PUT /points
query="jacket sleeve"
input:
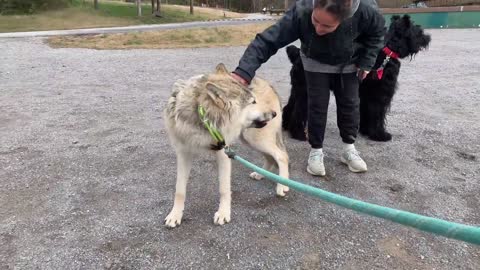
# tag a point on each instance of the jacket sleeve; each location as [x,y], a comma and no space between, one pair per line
[372,40]
[267,43]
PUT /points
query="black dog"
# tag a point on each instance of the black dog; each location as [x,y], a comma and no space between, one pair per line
[294,118]
[402,39]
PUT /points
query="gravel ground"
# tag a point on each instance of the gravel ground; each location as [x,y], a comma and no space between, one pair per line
[87,174]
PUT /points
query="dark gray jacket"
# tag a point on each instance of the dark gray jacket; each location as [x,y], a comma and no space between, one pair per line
[357,40]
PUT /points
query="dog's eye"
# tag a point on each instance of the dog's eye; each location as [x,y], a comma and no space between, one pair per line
[254,101]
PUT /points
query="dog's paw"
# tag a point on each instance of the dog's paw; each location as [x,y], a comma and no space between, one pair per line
[256,176]
[299,136]
[387,137]
[381,137]
[221,217]
[282,190]
[173,219]
[363,131]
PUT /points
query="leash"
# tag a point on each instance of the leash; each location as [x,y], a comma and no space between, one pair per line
[445,228]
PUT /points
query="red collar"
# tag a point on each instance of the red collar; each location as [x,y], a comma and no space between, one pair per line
[390,53]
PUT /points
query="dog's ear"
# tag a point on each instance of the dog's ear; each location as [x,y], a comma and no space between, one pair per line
[216,94]
[221,69]
[394,18]
[406,20]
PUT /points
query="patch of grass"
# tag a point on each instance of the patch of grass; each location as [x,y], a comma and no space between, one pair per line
[220,13]
[133,42]
[238,35]
[69,18]
[210,40]
[224,35]
[82,15]
[170,14]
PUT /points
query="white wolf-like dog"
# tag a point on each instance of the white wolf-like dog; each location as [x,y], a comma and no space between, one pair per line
[251,113]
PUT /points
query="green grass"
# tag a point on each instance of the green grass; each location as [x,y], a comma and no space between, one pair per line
[129,10]
[82,15]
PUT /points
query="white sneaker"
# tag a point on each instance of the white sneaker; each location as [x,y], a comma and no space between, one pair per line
[351,157]
[315,163]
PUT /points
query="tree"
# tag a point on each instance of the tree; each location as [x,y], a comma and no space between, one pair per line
[156,11]
[139,8]
[95,4]
[191,7]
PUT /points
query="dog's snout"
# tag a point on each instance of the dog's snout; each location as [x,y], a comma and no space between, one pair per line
[274,114]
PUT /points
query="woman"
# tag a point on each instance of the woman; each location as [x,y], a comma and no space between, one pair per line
[340,40]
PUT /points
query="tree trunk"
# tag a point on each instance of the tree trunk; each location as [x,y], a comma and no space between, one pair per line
[139,8]
[191,7]
[158,11]
[95,4]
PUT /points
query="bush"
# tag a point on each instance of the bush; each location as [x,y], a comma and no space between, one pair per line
[30,6]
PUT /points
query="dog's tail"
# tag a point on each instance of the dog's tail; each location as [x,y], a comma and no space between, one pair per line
[293,53]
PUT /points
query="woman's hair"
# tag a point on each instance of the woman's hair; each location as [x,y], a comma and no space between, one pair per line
[339,8]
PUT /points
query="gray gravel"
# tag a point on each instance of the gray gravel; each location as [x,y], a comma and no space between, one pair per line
[87,175]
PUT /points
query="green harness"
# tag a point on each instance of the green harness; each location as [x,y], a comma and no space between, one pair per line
[216,135]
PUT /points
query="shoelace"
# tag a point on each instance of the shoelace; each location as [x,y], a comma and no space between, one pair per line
[353,155]
[316,155]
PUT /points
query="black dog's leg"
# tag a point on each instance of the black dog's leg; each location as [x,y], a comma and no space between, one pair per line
[287,114]
[299,119]
[376,129]
[293,119]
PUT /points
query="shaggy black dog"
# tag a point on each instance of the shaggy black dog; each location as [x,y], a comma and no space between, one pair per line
[294,118]
[403,39]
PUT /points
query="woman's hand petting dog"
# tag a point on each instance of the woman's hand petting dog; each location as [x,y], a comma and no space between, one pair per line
[362,74]
[239,79]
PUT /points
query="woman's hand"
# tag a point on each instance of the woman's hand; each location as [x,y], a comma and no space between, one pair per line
[239,79]
[362,74]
